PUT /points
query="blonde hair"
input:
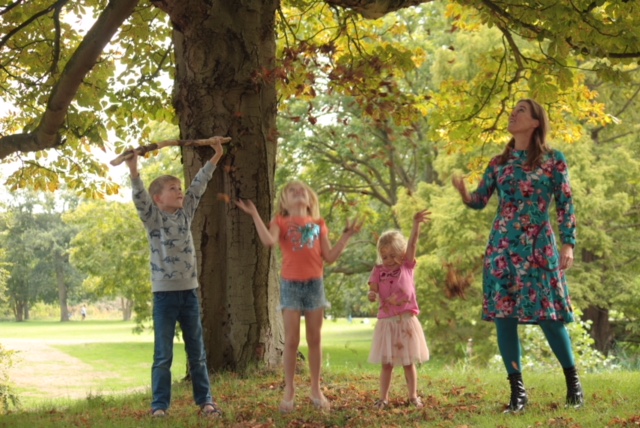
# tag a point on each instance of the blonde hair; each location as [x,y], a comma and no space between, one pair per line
[313,210]
[393,240]
[157,185]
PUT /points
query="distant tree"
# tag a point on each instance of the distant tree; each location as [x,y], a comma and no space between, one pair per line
[35,241]
[111,249]
[53,264]
[4,274]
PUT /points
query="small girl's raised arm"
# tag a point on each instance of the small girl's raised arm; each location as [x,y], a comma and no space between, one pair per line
[412,245]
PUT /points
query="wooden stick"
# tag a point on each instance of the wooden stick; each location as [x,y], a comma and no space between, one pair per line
[142,150]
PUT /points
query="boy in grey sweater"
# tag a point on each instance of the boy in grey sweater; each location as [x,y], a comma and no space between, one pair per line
[166,213]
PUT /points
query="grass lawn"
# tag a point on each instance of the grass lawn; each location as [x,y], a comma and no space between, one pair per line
[345,345]
[98,357]
[453,396]
[87,331]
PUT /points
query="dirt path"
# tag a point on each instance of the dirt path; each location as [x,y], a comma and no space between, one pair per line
[43,372]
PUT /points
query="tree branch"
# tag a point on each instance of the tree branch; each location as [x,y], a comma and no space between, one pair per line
[595,133]
[9,7]
[56,40]
[503,15]
[373,9]
[47,135]
[31,19]
[350,166]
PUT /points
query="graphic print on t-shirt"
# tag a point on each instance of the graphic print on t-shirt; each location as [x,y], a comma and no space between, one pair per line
[301,236]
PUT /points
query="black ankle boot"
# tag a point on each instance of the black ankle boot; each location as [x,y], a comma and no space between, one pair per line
[519,398]
[575,396]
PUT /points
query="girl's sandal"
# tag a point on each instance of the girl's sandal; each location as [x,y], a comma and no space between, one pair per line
[210,410]
[286,406]
[381,404]
[416,402]
[321,403]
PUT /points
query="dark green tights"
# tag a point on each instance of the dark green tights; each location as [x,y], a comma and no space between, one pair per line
[511,351]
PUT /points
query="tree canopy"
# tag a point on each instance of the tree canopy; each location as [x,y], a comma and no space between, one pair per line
[72,90]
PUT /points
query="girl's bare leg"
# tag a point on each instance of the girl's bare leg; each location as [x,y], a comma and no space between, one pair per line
[385,381]
[291,341]
[313,321]
[411,375]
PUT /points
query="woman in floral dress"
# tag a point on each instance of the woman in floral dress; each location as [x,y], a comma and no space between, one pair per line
[523,279]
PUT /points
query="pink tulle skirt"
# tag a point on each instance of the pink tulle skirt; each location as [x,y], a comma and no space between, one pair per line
[398,341]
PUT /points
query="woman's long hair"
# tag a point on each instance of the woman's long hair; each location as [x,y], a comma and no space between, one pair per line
[538,146]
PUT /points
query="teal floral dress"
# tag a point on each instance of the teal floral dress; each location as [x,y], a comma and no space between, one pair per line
[521,275]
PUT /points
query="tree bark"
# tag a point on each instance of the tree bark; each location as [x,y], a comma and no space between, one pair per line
[225,51]
[18,311]
[601,330]
[62,287]
[127,308]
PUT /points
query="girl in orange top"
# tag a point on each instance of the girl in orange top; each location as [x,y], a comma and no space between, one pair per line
[304,242]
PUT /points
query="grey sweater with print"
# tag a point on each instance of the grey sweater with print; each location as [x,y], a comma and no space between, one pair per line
[173,258]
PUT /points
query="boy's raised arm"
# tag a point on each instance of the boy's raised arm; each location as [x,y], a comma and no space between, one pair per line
[132,163]
[216,143]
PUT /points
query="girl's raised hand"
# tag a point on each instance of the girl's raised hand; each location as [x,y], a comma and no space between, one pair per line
[353,227]
[422,217]
[247,206]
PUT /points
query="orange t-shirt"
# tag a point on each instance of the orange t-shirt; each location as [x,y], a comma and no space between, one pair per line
[300,245]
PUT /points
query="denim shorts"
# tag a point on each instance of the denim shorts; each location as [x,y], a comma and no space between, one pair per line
[302,295]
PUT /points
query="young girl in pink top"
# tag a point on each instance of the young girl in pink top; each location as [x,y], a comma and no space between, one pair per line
[304,242]
[398,338]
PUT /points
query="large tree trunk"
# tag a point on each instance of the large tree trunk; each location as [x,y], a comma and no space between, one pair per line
[62,287]
[127,308]
[601,329]
[224,52]
[18,311]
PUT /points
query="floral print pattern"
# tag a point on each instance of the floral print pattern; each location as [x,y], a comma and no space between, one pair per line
[521,278]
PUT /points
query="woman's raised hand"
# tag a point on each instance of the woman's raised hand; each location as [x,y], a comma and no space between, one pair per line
[458,183]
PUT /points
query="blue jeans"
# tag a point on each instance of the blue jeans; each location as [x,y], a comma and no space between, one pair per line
[170,307]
